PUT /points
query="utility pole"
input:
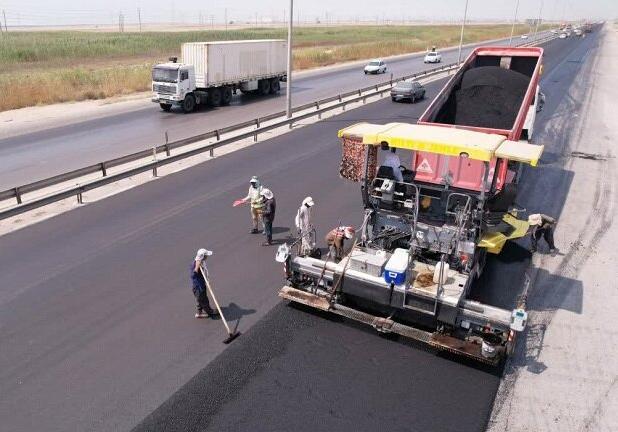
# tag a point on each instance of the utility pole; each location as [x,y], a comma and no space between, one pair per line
[6,29]
[538,20]
[225,15]
[514,21]
[463,25]
[288,82]
[139,18]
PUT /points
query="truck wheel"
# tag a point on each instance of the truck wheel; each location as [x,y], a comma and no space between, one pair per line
[188,105]
[263,87]
[214,97]
[274,86]
[165,107]
[226,96]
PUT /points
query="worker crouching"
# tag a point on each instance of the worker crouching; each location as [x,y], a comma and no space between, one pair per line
[335,240]
[542,226]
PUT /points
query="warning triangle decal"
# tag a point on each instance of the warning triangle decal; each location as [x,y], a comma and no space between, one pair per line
[424,167]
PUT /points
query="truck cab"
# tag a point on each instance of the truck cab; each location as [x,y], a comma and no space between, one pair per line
[171,83]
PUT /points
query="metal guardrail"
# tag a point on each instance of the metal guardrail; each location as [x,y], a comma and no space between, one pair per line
[102,167]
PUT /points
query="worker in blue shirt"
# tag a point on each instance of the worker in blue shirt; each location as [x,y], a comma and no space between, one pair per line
[198,272]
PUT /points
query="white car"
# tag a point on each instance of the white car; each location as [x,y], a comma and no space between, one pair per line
[432,57]
[524,36]
[563,36]
[375,67]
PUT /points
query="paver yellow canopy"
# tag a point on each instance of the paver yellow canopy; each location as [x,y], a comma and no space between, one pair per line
[446,141]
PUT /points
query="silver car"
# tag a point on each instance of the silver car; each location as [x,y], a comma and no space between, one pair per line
[407,90]
[375,67]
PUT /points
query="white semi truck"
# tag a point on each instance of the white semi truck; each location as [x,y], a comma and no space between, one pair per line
[211,72]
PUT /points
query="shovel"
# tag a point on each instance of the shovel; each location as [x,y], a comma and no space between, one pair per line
[230,335]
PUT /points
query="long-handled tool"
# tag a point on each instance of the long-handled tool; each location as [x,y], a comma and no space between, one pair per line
[231,335]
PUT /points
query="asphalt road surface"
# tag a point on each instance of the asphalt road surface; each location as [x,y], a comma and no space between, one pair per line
[34,156]
[96,312]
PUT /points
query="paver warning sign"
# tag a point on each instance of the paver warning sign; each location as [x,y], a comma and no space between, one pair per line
[424,167]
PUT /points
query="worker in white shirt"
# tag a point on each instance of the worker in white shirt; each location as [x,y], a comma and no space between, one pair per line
[304,226]
[392,160]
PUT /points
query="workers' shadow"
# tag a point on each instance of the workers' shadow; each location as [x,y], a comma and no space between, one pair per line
[233,312]
[280,230]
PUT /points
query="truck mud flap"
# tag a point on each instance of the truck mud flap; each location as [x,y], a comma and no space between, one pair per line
[384,325]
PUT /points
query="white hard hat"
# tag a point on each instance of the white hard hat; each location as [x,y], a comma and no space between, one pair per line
[201,253]
[308,202]
[349,232]
[267,193]
[535,219]
[254,179]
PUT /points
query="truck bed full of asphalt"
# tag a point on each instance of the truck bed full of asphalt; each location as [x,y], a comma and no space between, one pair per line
[297,370]
[488,97]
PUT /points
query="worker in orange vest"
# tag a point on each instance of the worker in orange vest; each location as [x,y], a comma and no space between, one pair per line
[336,238]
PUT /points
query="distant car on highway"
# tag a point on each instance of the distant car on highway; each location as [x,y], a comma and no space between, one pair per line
[524,36]
[375,66]
[563,36]
[554,31]
[578,32]
[432,57]
[407,90]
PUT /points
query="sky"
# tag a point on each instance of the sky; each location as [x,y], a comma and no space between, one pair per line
[69,12]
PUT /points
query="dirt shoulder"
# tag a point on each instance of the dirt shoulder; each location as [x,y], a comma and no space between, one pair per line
[565,375]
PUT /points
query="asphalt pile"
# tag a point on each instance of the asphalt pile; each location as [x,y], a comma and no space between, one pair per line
[489,97]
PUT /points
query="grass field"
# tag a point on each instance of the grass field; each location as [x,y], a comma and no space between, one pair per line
[58,66]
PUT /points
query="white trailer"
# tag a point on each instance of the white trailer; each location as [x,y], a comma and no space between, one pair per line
[211,72]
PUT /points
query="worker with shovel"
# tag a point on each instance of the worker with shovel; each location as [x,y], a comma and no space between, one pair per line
[199,273]
[202,288]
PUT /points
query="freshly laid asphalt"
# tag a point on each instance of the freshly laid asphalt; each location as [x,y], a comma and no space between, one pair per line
[33,156]
[96,312]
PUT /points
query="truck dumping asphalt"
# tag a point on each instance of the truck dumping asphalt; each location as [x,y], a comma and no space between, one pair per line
[296,370]
[488,97]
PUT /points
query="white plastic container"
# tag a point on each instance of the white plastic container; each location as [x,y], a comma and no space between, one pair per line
[228,62]
[436,273]
[396,267]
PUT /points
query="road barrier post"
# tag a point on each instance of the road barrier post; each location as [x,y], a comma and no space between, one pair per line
[154,158]
[18,195]
[103,169]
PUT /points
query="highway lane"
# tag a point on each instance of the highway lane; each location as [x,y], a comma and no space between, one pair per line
[30,157]
[303,371]
[96,322]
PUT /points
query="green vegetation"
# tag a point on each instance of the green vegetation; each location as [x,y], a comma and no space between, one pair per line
[57,66]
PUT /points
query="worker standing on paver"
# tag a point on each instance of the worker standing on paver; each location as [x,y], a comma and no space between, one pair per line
[392,160]
[198,273]
[542,226]
[335,240]
[304,226]
[268,215]
[254,196]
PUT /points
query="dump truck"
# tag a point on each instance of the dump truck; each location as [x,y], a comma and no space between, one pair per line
[422,244]
[496,90]
[212,72]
